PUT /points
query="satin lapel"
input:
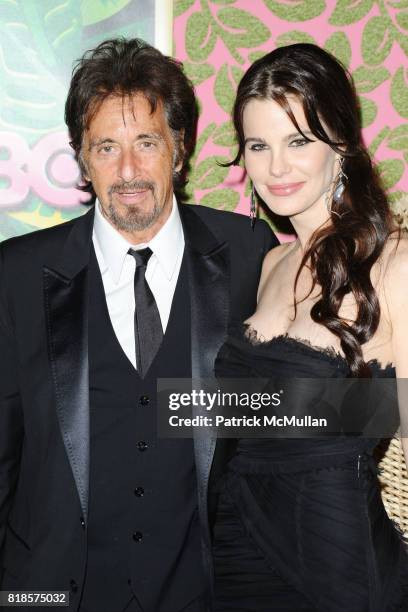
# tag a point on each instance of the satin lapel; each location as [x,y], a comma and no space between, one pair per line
[209,271]
[66,309]
[209,293]
[208,281]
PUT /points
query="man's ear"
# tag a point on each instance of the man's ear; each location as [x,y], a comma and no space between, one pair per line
[83,166]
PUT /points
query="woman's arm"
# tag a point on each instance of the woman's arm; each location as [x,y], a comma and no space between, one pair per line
[396,293]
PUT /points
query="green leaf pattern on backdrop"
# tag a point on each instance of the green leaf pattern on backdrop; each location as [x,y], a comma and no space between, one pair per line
[399,92]
[223,2]
[200,36]
[256,55]
[223,199]
[181,6]
[400,4]
[347,12]
[402,20]
[198,73]
[398,138]
[377,40]
[293,37]
[367,79]
[384,24]
[209,174]
[235,27]
[224,135]
[391,171]
[39,38]
[226,83]
[339,45]
[296,10]
[241,29]
[194,175]
[202,139]
[368,111]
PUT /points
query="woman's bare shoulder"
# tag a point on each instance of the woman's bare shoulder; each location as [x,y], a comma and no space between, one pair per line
[274,256]
[271,261]
[394,264]
[395,252]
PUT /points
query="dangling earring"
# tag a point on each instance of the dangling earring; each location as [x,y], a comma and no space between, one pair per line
[252,208]
[340,183]
[337,190]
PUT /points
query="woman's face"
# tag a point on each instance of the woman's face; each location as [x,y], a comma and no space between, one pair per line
[290,174]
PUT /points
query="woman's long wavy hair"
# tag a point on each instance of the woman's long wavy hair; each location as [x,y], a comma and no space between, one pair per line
[341,254]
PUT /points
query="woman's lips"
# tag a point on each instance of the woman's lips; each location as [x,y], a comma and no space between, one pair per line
[285,189]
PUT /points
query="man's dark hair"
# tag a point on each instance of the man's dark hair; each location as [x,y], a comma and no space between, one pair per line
[123,68]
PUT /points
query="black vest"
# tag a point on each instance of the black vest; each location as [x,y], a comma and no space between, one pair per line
[143,533]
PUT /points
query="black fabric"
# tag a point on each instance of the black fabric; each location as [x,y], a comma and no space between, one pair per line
[44,393]
[148,327]
[143,530]
[300,523]
[198,605]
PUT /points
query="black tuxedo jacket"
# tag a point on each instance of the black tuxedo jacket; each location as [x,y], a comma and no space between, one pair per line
[44,390]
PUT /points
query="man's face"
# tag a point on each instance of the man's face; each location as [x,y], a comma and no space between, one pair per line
[128,153]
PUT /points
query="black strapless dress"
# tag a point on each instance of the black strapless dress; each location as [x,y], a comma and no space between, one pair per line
[301,526]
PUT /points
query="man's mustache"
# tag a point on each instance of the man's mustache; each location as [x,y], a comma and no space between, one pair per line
[131,187]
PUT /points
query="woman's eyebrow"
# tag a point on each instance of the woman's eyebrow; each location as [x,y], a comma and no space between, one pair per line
[297,134]
[255,139]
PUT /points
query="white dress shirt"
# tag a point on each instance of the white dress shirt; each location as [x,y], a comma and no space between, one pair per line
[118,270]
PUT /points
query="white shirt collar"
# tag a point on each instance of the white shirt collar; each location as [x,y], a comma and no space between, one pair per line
[112,247]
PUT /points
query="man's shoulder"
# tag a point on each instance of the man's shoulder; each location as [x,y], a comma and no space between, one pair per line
[230,223]
[214,215]
[39,241]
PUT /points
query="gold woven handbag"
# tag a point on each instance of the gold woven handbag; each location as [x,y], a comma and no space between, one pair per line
[394,481]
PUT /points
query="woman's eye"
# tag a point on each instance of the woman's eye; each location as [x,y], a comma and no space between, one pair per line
[299,142]
[257,147]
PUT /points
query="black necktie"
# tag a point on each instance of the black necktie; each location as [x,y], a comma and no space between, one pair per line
[148,327]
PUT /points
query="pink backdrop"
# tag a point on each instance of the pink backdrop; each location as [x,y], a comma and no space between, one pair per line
[377,65]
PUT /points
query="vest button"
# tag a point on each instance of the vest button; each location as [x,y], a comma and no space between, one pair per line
[144,400]
[73,585]
[137,536]
[82,522]
[139,491]
[142,446]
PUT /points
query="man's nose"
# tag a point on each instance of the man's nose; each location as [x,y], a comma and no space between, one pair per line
[129,165]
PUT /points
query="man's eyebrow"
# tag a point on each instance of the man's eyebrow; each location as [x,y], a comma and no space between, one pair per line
[99,141]
[154,135]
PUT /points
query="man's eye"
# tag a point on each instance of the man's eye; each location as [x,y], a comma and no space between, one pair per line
[106,149]
[148,144]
